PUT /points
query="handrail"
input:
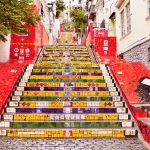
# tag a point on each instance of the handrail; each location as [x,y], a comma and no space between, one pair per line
[38,55]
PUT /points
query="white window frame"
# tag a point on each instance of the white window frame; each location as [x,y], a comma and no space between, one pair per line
[128,17]
[149,54]
[122,14]
[148,7]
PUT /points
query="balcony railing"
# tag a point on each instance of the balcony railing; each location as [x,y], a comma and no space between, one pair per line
[100,25]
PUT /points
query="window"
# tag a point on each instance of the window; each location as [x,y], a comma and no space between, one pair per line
[149,53]
[128,18]
[122,24]
[103,3]
[42,12]
[149,8]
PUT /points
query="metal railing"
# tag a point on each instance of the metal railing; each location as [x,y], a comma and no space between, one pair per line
[99,25]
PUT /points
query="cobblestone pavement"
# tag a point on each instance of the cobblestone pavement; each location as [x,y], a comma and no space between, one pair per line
[70,144]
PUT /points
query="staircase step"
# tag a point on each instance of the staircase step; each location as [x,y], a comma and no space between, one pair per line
[34,88]
[71,52]
[44,77]
[68,70]
[67,67]
[68,73]
[61,93]
[62,89]
[66,80]
[65,117]
[55,104]
[26,98]
[67,124]
[71,133]
[63,84]
[62,47]
[71,59]
[72,56]
[67,110]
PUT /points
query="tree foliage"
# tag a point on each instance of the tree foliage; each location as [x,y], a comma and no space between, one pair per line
[79,19]
[15,15]
[60,7]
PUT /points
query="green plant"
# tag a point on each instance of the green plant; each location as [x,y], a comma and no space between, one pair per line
[79,19]
[15,15]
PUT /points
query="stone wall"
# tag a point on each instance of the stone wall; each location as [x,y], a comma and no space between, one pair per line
[139,53]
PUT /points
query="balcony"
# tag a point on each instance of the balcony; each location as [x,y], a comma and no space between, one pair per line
[97,25]
[101,25]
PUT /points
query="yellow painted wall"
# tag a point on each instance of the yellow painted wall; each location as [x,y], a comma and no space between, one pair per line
[111,27]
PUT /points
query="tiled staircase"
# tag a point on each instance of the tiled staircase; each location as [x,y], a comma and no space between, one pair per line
[64,95]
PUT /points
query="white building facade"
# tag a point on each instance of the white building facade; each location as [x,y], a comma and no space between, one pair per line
[133,30]
[129,21]
[49,20]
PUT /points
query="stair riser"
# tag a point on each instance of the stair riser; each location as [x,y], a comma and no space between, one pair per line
[66,104]
[67,110]
[61,93]
[66,124]
[111,89]
[67,73]
[69,133]
[62,117]
[63,84]
[19,98]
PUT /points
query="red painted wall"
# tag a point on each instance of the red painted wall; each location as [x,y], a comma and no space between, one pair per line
[91,34]
[26,47]
[105,46]
[100,33]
